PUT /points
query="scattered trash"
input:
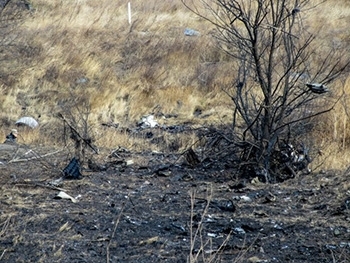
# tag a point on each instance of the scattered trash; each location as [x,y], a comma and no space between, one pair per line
[148,121]
[134,221]
[295,159]
[331,246]
[72,170]
[224,205]
[129,162]
[239,231]
[344,244]
[191,32]
[245,198]
[27,121]
[317,88]
[58,182]
[278,226]
[82,80]
[63,195]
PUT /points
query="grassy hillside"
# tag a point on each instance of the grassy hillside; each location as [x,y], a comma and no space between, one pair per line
[76,53]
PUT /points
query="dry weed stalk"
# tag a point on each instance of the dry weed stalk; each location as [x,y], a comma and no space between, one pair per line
[198,232]
[35,157]
[341,258]
[3,231]
[113,233]
[5,226]
[3,253]
[197,235]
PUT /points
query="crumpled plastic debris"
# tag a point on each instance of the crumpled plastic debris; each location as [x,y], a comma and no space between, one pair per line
[27,121]
[148,121]
[72,170]
[63,195]
[191,32]
[317,88]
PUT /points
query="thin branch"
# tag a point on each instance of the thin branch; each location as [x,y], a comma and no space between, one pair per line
[305,118]
[36,184]
[34,158]
[113,233]
[3,253]
[86,141]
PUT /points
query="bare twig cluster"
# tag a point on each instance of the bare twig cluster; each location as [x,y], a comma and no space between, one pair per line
[280,77]
[76,124]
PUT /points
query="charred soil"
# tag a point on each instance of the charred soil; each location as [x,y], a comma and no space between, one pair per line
[157,208]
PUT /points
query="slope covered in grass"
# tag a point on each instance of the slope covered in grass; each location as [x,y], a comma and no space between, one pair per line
[86,53]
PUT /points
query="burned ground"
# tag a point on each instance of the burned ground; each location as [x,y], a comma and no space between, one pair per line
[159,209]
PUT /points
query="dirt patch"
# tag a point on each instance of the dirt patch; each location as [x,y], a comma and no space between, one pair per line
[158,209]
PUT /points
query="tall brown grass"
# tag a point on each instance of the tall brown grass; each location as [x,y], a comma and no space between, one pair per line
[86,50]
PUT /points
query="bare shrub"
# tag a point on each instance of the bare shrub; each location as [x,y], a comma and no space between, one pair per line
[280,81]
[75,116]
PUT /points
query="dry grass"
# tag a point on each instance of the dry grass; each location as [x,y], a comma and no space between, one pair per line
[201,248]
[87,50]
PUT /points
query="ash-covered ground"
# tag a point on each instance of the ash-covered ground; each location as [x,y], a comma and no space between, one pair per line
[153,207]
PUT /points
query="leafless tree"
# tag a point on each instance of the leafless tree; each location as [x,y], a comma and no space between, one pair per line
[281,77]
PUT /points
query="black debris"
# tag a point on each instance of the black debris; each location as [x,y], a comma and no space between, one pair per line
[317,88]
[72,170]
